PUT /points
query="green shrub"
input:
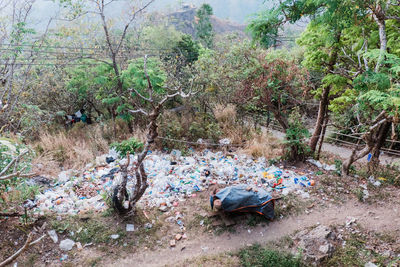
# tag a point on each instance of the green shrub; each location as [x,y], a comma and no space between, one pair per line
[256,256]
[130,145]
[295,146]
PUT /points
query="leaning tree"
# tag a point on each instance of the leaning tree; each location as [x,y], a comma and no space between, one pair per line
[153,101]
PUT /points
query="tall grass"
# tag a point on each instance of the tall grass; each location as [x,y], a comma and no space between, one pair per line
[263,145]
[227,121]
[72,149]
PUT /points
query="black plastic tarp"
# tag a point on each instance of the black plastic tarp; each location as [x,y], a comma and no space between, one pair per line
[239,199]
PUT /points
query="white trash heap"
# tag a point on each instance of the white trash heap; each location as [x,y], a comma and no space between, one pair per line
[172,178]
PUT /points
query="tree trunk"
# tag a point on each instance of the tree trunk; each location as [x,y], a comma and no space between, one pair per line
[373,164]
[374,139]
[379,16]
[322,136]
[120,192]
[324,102]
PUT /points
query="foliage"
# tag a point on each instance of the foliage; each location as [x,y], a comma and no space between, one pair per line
[204,30]
[190,127]
[278,86]
[296,134]
[130,146]
[14,189]
[185,52]
[263,257]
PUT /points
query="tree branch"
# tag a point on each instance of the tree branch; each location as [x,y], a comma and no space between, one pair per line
[14,160]
[139,111]
[27,244]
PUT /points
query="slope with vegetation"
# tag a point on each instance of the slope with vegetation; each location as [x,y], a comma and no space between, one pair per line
[145,82]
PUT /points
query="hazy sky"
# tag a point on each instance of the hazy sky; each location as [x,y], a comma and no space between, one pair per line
[234,10]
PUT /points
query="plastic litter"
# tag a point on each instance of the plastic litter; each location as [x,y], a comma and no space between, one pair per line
[130,228]
[53,235]
[169,185]
[67,244]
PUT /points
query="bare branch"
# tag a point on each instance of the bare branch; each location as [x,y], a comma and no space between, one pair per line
[139,111]
[17,174]
[140,95]
[129,23]
[150,86]
[14,160]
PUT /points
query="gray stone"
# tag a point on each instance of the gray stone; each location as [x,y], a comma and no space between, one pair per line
[370,264]
[320,232]
[67,244]
[326,249]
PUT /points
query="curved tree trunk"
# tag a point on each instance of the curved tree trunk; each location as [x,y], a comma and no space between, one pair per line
[324,101]
[373,164]
[374,139]
[120,195]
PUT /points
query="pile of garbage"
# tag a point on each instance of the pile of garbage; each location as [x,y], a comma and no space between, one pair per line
[172,178]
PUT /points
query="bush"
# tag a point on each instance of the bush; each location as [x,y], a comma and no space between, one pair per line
[255,256]
[130,146]
[296,134]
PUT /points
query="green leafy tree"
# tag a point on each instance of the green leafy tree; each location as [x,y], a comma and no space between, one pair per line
[204,29]
[344,42]
[329,18]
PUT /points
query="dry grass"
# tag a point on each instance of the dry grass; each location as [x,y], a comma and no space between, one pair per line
[227,121]
[263,145]
[73,149]
[79,146]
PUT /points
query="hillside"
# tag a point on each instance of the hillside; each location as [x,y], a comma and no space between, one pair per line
[184,21]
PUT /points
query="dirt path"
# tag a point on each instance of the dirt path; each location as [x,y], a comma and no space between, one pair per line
[341,151]
[381,219]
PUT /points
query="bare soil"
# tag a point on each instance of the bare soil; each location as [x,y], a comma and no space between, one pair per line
[372,217]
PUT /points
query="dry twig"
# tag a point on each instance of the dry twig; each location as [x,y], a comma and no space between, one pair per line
[27,244]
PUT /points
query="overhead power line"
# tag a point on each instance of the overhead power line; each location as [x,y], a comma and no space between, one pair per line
[136,48]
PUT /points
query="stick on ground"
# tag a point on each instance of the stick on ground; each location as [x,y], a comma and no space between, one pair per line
[27,244]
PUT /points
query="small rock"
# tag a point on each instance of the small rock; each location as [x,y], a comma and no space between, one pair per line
[172,243]
[178,237]
[130,228]
[116,236]
[366,194]
[53,235]
[67,244]
[148,226]
[325,249]
[184,236]
[370,264]
[79,246]
[387,253]
[350,221]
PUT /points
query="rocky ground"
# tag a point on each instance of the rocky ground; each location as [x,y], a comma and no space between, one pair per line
[338,222]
